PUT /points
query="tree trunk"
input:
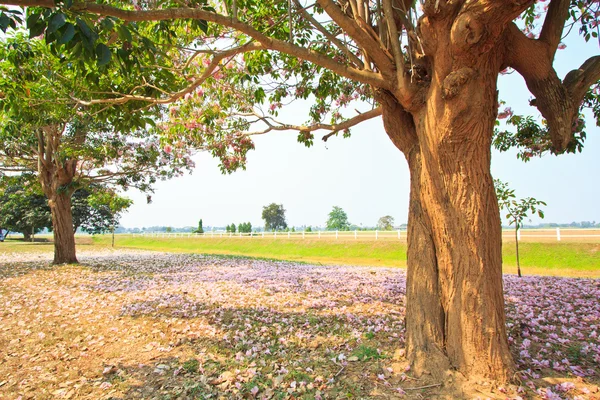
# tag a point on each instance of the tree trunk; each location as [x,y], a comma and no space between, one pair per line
[26,236]
[517,250]
[455,305]
[62,226]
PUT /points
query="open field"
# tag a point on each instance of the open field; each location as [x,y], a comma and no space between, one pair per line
[565,258]
[130,324]
[546,258]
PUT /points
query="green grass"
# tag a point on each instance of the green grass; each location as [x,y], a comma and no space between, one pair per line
[546,258]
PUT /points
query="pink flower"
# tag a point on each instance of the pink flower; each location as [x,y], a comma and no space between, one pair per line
[562,46]
[168,149]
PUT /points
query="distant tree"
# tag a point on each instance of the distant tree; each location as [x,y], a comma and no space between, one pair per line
[200,228]
[338,220]
[517,210]
[169,229]
[385,223]
[274,217]
[23,206]
[308,229]
[116,204]
[233,228]
[245,227]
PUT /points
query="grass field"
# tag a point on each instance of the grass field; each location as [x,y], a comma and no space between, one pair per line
[577,259]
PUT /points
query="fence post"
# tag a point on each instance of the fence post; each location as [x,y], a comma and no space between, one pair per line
[319,234]
[376,234]
[355,234]
[275,234]
[398,233]
[263,234]
[519,234]
[251,234]
[336,235]
[558,234]
[302,234]
[240,234]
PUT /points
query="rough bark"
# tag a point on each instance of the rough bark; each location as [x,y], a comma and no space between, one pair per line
[62,226]
[455,304]
[56,177]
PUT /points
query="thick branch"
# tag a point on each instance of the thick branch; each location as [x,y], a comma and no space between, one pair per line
[368,77]
[578,81]
[278,126]
[361,36]
[558,101]
[351,56]
[557,15]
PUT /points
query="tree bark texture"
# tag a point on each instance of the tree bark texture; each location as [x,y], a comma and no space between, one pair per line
[56,177]
[62,226]
[455,305]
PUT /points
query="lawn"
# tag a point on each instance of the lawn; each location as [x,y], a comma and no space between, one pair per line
[132,324]
[548,258]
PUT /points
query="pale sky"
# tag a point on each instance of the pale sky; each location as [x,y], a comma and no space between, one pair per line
[365,175]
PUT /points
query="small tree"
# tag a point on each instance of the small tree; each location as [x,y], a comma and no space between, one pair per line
[385,223]
[200,228]
[338,220]
[116,204]
[274,217]
[245,227]
[517,210]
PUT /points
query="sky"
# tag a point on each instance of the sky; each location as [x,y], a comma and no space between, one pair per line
[365,175]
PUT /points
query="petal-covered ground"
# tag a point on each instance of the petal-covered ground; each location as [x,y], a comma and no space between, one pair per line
[166,326]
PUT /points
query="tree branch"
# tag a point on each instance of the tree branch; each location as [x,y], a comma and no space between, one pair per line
[357,61]
[368,77]
[554,23]
[578,81]
[252,46]
[558,101]
[362,37]
[318,126]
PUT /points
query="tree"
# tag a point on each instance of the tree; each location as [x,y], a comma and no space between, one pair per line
[431,74]
[200,228]
[517,210]
[116,206]
[23,206]
[274,217]
[385,223]
[69,145]
[91,209]
[338,220]
[245,227]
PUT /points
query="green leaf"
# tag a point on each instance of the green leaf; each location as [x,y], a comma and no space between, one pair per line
[103,54]
[37,29]
[124,33]
[4,22]
[67,34]
[56,22]
[32,20]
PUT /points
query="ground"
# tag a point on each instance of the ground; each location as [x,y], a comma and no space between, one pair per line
[133,324]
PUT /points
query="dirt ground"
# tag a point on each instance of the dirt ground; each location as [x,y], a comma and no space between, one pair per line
[146,325]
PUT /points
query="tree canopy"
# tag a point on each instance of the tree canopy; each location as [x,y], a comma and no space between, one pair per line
[337,220]
[429,69]
[274,217]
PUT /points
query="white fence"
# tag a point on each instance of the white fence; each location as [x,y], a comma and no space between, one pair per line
[557,234]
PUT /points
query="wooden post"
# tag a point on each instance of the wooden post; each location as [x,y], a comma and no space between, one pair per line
[558,234]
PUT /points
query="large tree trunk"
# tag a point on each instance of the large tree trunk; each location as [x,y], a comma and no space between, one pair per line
[56,177]
[455,305]
[62,226]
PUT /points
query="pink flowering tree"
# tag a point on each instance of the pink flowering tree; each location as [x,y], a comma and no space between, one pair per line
[429,70]
[70,146]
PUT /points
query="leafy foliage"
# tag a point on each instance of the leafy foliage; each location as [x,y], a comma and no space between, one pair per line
[385,223]
[23,206]
[274,217]
[338,220]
